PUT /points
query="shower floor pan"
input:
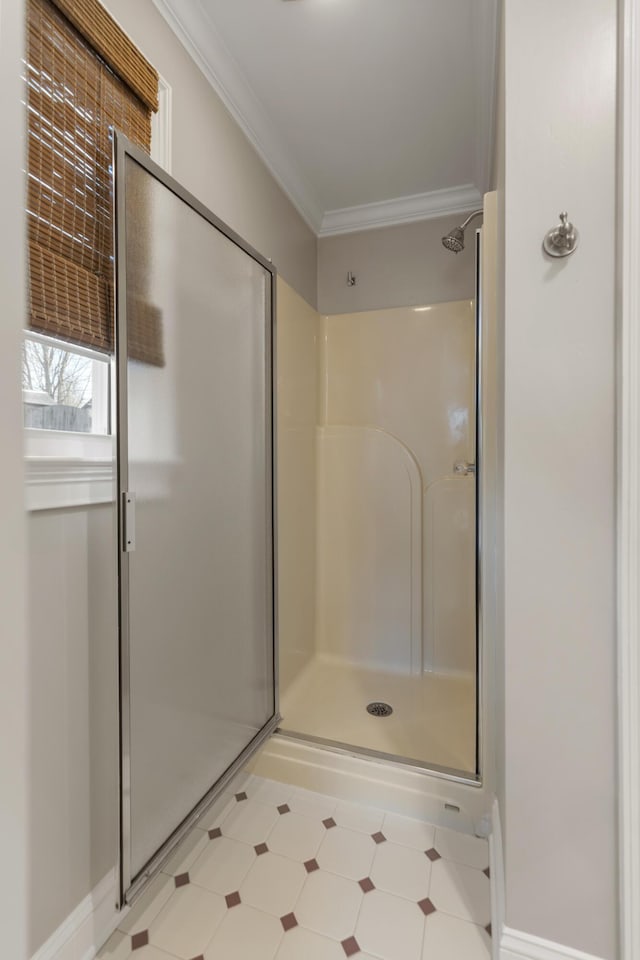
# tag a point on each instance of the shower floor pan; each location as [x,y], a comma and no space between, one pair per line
[433,720]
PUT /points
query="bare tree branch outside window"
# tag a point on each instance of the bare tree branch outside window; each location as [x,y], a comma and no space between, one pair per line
[62,375]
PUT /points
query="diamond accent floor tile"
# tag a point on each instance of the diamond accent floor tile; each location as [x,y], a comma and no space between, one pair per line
[223,865]
[347,853]
[273,884]
[187,922]
[460,891]
[390,927]
[446,937]
[245,934]
[350,946]
[288,922]
[329,905]
[402,871]
[296,837]
[301,944]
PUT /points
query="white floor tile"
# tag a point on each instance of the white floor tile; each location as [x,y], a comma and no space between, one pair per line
[446,937]
[270,792]
[245,934]
[117,947]
[187,853]
[301,944]
[250,822]
[402,871]
[461,891]
[329,905]
[347,853]
[355,816]
[187,922]
[408,832]
[147,908]
[273,884]
[223,865]
[461,848]
[296,836]
[389,927]
[310,804]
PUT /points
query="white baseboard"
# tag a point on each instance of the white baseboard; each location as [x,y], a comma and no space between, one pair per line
[496,871]
[515,945]
[85,930]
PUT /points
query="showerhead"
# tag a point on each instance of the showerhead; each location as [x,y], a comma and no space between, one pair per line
[454,240]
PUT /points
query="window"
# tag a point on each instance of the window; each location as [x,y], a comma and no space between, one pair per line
[64,386]
[83,76]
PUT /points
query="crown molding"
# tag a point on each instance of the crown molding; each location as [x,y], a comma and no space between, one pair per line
[388,213]
[204,44]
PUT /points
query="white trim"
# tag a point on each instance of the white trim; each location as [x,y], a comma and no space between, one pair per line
[57,482]
[198,35]
[162,126]
[81,935]
[496,872]
[516,945]
[388,213]
[629,491]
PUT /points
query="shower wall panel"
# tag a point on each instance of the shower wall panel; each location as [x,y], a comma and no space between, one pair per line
[298,334]
[408,374]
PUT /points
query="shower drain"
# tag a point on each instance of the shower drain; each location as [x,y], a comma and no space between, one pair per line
[379,709]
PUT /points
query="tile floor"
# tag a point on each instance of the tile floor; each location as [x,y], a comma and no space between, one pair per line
[278,873]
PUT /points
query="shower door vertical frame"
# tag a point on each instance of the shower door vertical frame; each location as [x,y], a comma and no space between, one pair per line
[129,886]
[478,501]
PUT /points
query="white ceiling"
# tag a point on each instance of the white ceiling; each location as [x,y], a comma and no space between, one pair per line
[368,112]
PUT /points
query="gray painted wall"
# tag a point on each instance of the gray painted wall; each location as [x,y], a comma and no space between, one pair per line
[214,159]
[400,266]
[559,494]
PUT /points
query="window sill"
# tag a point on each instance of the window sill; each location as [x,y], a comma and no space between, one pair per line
[68,470]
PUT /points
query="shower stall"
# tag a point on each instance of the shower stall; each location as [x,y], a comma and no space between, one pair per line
[378,592]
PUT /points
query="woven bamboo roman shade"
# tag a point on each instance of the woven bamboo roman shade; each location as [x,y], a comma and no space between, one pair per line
[83,76]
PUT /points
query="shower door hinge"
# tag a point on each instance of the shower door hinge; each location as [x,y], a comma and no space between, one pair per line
[128,521]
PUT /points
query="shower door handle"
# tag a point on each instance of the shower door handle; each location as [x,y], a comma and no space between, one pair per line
[128,521]
[462,468]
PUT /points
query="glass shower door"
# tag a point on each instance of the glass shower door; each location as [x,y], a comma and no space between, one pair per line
[194,325]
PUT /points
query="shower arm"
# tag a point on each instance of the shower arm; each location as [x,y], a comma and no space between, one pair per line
[476,213]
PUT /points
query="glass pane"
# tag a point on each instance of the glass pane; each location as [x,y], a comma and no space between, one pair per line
[199,436]
[63,389]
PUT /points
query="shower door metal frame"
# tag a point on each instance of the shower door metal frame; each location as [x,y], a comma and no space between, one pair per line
[130,886]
